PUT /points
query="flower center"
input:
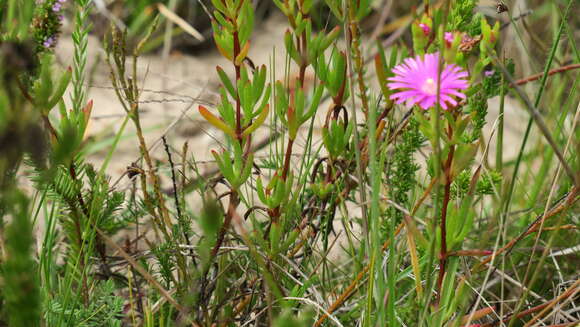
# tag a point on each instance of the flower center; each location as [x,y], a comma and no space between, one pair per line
[429,87]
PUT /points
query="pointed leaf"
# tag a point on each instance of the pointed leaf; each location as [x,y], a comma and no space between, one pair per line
[314,104]
[215,121]
[260,190]
[243,53]
[258,122]
[226,81]
[60,89]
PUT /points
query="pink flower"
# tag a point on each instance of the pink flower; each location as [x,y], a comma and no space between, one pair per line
[416,80]
[426,29]
[448,36]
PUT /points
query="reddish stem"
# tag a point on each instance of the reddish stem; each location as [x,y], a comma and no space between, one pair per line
[551,72]
[470,253]
[301,42]
[238,76]
[287,159]
[446,197]
[234,201]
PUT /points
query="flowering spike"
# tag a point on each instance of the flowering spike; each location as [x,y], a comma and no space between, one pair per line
[416,79]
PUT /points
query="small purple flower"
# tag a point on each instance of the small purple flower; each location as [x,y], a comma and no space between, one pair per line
[426,29]
[489,73]
[57,7]
[60,18]
[449,37]
[416,82]
[49,42]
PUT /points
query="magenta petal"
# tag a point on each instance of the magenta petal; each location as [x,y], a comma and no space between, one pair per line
[414,80]
[449,99]
[393,86]
[456,93]
[427,102]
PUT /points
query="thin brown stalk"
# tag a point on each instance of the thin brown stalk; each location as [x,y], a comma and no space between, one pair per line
[233,204]
[551,72]
[469,253]
[355,40]
[237,50]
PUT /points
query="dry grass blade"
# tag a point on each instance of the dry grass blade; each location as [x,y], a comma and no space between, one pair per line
[180,22]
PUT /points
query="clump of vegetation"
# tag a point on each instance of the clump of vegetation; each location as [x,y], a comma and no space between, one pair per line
[397,185]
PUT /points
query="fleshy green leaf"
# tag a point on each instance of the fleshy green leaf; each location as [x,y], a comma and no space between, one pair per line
[258,122]
[215,121]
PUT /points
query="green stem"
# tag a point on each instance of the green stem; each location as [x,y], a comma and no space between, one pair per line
[500,128]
